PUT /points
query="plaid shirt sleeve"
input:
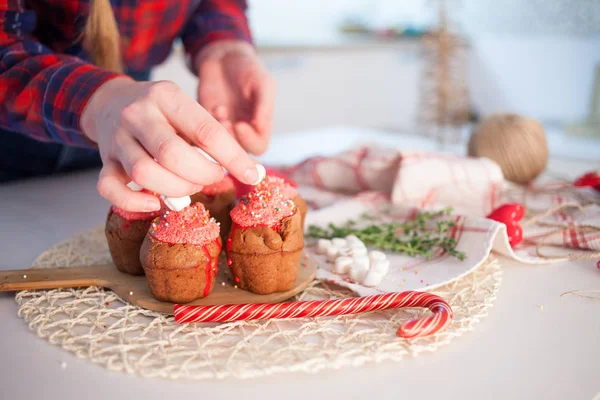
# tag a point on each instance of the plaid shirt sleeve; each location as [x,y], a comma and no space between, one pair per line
[42,94]
[215,20]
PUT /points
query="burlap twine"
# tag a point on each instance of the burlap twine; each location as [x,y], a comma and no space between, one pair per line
[95,324]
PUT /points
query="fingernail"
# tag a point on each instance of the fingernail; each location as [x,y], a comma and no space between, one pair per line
[152,205]
[197,188]
[254,176]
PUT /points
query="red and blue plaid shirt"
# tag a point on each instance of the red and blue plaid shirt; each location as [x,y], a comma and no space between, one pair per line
[46,78]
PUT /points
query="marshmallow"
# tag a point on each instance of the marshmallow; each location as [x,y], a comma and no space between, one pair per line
[345,251]
[380,266]
[134,186]
[343,264]
[372,278]
[332,253]
[177,203]
[354,241]
[362,260]
[354,251]
[338,242]
[358,271]
[359,251]
[323,245]
[376,256]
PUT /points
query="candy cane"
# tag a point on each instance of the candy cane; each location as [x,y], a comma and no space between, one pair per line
[442,313]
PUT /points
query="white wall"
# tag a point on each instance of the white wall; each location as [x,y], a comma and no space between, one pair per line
[545,77]
[535,57]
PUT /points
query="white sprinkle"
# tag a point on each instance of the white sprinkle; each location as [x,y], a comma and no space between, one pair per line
[131,293]
[24,276]
[166,224]
[63,365]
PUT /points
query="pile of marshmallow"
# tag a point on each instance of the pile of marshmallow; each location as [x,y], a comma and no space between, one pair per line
[350,256]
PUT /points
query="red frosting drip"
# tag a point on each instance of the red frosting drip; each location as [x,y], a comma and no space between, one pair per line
[192,225]
[266,208]
[225,185]
[212,267]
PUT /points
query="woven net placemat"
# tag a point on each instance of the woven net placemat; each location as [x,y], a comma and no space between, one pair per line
[97,325]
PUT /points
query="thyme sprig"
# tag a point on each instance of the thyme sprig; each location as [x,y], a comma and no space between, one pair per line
[424,235]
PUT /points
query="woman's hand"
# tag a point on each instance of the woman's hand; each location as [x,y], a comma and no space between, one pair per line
[145,132]
[237,90]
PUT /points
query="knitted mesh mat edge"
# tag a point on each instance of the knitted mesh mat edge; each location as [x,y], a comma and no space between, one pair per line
[95,324]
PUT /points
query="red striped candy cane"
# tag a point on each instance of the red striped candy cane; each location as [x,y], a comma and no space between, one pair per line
[442,313]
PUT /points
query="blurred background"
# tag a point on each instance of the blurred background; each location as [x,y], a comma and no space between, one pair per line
[404,66]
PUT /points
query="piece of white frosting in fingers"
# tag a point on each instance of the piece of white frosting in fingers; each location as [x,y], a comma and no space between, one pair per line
[343,264]
[134,186]
[177,203]
[372,278]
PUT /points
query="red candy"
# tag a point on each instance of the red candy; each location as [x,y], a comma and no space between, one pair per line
[425,326]
[591,179]
[509,215]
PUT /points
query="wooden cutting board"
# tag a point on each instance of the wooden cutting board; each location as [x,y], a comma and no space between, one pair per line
[134,289]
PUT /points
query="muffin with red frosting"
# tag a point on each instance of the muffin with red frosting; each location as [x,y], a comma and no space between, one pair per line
[265,242]
[287,190]
[125,231]
[180,254]
[219,200]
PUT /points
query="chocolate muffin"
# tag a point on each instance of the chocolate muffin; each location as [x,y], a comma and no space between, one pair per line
[287,190]
[180,254]
[265,242]
[125,231]
[219,200]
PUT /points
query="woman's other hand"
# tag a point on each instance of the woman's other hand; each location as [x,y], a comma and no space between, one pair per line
[237,90]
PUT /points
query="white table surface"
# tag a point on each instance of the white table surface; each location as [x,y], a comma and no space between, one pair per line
[519,351]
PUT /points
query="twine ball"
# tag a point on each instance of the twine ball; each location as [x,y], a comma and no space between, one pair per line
[516,143]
